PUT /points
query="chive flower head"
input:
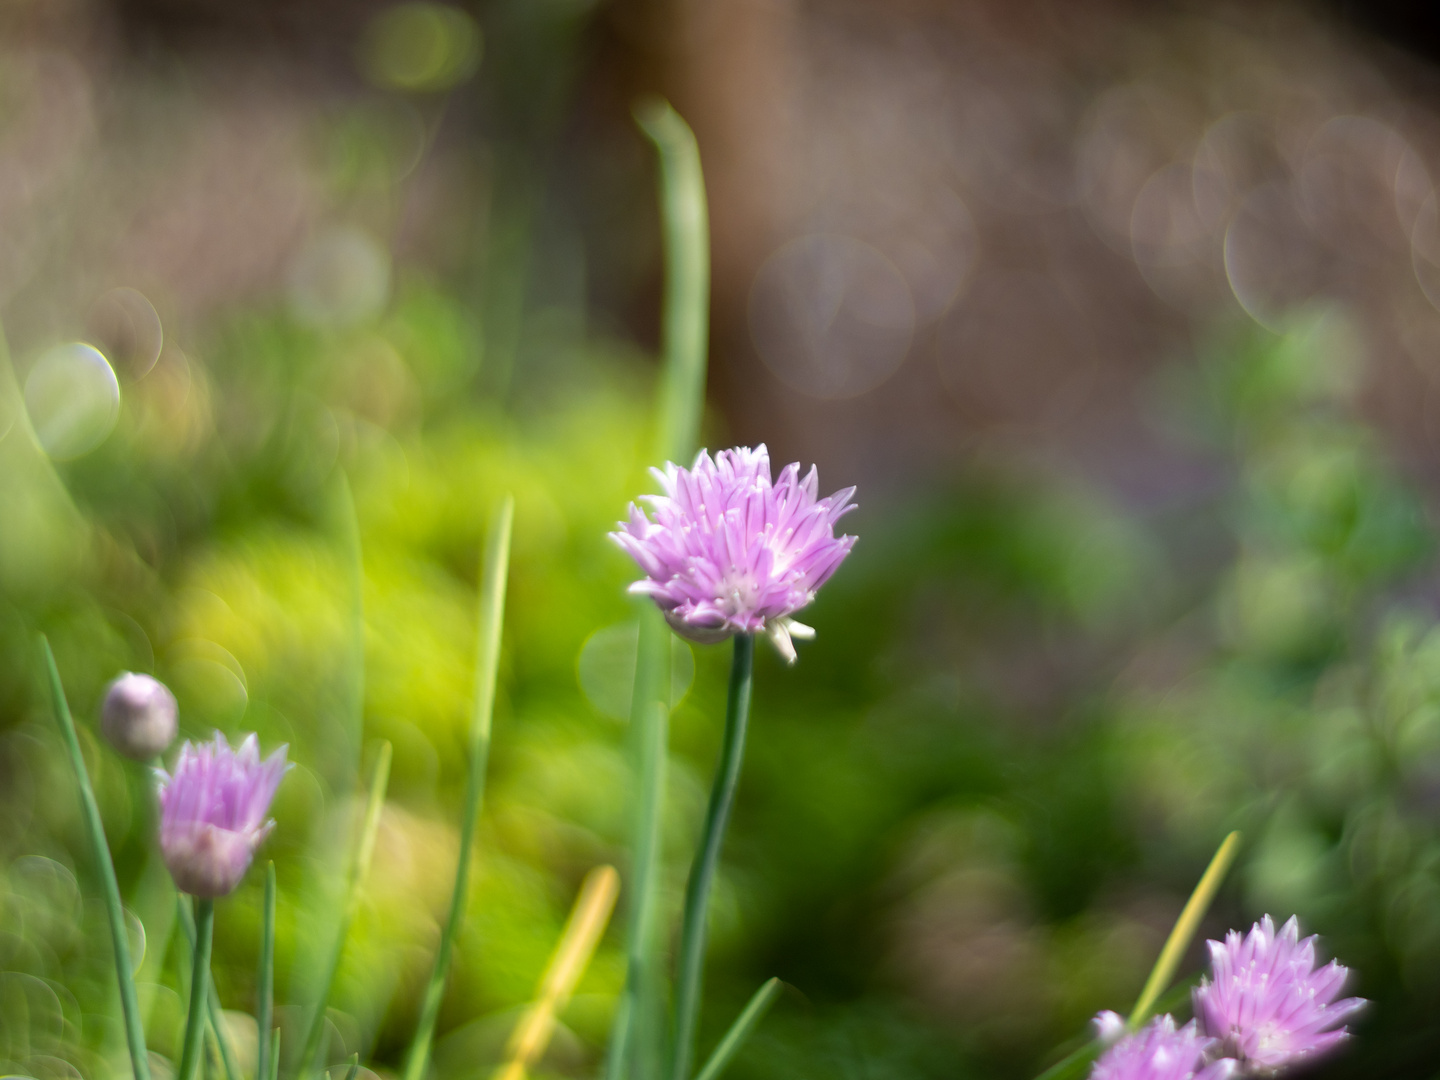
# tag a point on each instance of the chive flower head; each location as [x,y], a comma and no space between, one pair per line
[1266,1003]
[728,551]
[1158,1051]
[213,812]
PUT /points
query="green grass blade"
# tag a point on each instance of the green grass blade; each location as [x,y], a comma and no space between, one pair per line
[1185,926]
[359,868]
[105,868]
[1074,1065]
[215,1012]
[354,1069]
[274,1054]
[637,1033]
[686,326]
[199,987]
[689,977]
[739,1031]
[265,978]
[487,665]
[354,675]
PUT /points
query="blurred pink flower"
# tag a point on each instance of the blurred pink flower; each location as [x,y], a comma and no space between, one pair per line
[1267,1003]
[728,552]
[1158,1052]
[212,813]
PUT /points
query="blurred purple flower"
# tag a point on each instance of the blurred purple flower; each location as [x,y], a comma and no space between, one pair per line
[1158,1051]
[1267,1004]
[212,812]
[728,552]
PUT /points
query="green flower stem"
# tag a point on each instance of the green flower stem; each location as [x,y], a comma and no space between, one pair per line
[487,666]
[1185,927]
[359,868]
[707,858]
[105,868]
[216,1013]
[265,979]
[199,986]
[739,1031]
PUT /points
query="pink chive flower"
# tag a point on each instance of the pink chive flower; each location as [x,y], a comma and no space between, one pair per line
[1158,1051]
[730,552]
[1267,1004]
[212,813]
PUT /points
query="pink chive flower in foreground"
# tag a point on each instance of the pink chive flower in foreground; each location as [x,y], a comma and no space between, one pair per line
[1267,1004]
[1158,1051]
[730,552]
[212,813]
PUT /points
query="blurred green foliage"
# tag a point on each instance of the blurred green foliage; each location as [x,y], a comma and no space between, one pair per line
[969,815]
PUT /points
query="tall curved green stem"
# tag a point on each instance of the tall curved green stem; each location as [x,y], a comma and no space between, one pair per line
[199,988]
[637,1033]
[105,868]
[707,859]
[359,869]
[487,666]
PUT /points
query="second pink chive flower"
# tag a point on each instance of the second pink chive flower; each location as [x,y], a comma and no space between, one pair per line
[1159,1051]
[731,552]
[213,813]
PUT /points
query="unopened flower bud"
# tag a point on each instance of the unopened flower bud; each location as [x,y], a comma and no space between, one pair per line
[139,716]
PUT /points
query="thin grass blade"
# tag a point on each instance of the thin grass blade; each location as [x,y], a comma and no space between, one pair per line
[1074,1065]
[354,1069]
[686,321]
[105,870]
[359,869]
[1185,926]
[637,1033]
[493,579]
[588,919]
[740,1030]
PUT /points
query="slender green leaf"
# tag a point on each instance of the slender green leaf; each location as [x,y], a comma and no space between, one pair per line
[739,1031]
[359,868]
[105,868]
[1185,926]
[686,325]
[637,1034]
[1073,1065]
[487,666]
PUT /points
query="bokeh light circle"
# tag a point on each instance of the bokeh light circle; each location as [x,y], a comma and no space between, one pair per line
[831,316]
[1272,260]
[340,278]
[126,327]
[73,399]
[421,46]
[605,668]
